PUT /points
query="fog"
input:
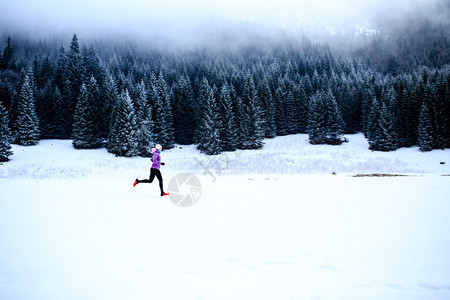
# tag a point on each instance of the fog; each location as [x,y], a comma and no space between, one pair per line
[188,21]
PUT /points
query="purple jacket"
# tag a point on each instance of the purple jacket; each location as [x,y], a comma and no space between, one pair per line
[156,159]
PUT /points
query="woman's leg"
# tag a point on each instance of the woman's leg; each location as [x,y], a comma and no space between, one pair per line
[151,178]
[159,176]
[153,173]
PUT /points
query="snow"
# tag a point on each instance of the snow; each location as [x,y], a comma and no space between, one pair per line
[273,223]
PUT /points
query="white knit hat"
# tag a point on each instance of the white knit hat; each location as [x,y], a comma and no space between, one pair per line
[158,147]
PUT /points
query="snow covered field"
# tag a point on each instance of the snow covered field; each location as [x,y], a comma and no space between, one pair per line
[273,223]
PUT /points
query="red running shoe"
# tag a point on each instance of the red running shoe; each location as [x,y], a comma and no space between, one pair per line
[165,194]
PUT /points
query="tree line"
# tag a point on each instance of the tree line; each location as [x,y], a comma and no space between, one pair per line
[127,97]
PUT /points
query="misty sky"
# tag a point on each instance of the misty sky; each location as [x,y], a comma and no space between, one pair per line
[178,17]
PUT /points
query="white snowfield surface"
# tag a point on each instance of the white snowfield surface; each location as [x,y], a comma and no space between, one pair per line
[273,223]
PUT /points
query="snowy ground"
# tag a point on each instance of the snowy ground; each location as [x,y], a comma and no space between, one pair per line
[269,224]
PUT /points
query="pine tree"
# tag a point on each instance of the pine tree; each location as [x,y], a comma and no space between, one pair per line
[367,95]
[95,100]
[416,97]
[447,110]
[73,66]
[60,69]
[7,91]
[239,113]
[165,96]
[27,124]
[228,129]
[109,98]
[290,111]
[44,109]
[8,59]
[162,112]
[384,137]
[85,132]
[317,119]
[438,115]
[5,135]
[301,109]
[391,100]
[268,109]
[425,130]
[208,135]
[252,116]
[141,97]
[336,124]
[372,120]
[91,65]
[325,124]
[280,107]
[159,113]
[36,76]
[349,105]
[122,140]
[406,122]
[56,126]
[144,121]
[184,111]
[46,70]
[441,83]
[201,107]
[72,84]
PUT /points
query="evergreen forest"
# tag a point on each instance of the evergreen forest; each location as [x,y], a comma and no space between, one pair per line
[127,96]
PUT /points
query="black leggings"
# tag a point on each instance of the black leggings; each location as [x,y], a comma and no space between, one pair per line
[153,173]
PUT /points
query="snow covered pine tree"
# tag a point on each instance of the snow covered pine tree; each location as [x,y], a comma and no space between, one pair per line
[5,135]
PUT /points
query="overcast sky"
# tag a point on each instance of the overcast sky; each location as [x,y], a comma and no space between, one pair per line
[178,17]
